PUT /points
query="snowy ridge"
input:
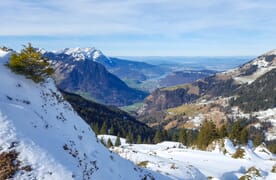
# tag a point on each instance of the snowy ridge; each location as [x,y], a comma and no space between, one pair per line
[178,162]
[50,137]
[82,53]
[264,64]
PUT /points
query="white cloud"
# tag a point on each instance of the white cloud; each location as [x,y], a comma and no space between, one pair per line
[157,27]
[165,17]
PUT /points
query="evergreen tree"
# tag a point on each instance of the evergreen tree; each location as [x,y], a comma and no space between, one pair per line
[139,139]
[102,141]
[182,136]
[207,134]
[235,132]
[95,128]
[145,141]
[174,137]
[157,137]
[223,131]
[244,136]
[109,143]
[258,139]
[103,129]
[118,141]
[164,135]
[111,130]
[192,136]
[129,138]
[31,64]
[214,131]
[149,141]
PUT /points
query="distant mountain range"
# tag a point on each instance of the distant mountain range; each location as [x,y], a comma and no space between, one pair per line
[123,68]
[248,91]
[114,81]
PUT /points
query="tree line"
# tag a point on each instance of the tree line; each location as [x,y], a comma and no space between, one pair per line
[238,131]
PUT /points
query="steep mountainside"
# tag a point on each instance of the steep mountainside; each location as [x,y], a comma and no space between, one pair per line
[76,73]
[122,68]
[239,93]
[96,115]
[221,84]
[168,97]
[259,95]
[41,137]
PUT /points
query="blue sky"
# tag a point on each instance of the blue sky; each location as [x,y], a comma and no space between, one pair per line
[142,27]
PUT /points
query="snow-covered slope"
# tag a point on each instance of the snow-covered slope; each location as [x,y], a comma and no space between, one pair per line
[176,161]
[50,137]
[250,71]
[268,116]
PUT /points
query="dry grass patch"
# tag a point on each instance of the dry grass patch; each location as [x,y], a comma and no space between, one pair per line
[9,164]
[239,154]
[143,164]
[185,110]
[273,169]
[172,88]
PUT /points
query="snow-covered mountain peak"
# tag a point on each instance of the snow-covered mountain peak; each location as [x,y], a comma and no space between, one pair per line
[46,135]
[97,54]
[82,53]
